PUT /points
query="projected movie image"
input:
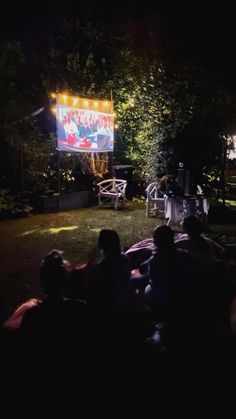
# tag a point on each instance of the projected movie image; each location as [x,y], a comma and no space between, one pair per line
[84,130]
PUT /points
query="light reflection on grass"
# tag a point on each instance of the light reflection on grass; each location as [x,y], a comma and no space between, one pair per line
[230,203]
[50,230]
[95,230]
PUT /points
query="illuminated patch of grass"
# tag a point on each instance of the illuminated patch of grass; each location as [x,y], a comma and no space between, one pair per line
[50,230]
[231,203]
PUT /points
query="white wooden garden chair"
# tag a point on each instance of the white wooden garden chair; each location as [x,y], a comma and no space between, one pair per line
[112,192]
[155,204]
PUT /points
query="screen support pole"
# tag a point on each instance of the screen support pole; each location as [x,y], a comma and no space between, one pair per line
[58,180]
[92,163]
[22,166]
[110,164]
[110,155]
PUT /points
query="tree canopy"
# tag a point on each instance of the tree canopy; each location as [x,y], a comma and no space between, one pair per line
[167,110]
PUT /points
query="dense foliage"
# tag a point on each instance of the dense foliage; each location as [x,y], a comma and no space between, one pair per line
[166,111]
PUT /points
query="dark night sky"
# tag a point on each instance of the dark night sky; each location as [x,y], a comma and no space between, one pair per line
[197,30]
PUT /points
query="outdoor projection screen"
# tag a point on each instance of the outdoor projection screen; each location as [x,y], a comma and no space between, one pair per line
[84,125]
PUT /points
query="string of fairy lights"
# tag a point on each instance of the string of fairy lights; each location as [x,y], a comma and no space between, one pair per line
[97,105]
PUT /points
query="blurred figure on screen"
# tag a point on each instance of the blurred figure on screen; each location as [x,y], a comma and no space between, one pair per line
[60,124]
[71,131]
[85,130]
[104,127]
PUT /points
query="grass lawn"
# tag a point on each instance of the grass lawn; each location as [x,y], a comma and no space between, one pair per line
[25,241]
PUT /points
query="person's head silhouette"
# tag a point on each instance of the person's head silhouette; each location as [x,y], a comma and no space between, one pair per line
[52,273]
[109,242]
[163,238]
[193,226]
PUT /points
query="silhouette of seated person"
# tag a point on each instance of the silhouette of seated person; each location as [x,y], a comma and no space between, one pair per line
[204,250]
[111,295]
[55,320]
[193,309]
[216,290]
[111,288]
[171,272]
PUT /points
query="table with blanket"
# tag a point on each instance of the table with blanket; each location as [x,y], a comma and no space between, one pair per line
[177,208]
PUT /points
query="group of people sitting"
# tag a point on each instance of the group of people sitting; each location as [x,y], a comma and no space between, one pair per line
[179,298]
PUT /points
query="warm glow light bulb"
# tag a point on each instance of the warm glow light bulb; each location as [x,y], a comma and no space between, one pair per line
[131,102]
